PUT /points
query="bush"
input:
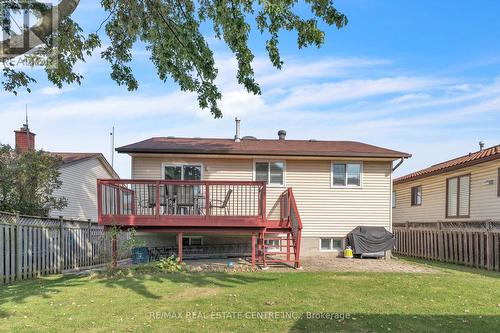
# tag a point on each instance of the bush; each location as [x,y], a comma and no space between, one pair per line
[170,264]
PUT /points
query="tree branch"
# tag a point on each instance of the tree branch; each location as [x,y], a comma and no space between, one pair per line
[41,30]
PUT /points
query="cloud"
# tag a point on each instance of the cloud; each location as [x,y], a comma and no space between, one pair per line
[359,99]
[53,90]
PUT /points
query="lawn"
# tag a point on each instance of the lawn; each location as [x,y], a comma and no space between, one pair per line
[452,299]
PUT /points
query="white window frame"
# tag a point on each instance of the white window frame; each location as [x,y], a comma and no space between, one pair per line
[360,186]
[332,249]
[269,172]
[274,247]
[181,164]
[192,237]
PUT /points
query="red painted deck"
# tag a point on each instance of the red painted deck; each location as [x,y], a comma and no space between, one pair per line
[218,207]
[155,203]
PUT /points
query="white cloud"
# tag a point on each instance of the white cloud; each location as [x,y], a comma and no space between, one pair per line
[430,116]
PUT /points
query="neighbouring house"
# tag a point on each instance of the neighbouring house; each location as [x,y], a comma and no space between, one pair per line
[464,188]
[79,174]
[274,198]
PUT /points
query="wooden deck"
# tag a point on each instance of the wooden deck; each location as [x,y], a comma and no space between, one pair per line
[163,203]
[194,207]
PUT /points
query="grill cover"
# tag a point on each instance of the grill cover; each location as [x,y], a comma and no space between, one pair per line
[370,239]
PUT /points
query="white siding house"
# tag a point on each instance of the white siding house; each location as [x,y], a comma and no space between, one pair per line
[79,174]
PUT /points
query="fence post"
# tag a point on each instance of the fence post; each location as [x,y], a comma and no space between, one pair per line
[60,254]
[489,247]
[440,248]
[90,259]
[19,246]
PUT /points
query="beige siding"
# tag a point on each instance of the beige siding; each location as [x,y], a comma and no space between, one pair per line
[484,202]
[79,187]
[325,211]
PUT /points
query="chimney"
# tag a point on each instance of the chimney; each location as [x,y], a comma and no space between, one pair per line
[481,145]
[25,139]
[281,135]
[237,137]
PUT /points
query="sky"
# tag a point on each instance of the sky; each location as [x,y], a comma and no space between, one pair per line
[421,77]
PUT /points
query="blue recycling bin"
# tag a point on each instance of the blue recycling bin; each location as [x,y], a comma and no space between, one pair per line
[140,255]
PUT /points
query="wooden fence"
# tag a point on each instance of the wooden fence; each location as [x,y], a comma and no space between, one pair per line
[34,246]
[471,243]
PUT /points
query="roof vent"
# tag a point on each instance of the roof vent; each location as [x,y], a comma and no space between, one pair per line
[237,137]
[170,137]
[312,140]
[249,137]
[281,135]
[481,145]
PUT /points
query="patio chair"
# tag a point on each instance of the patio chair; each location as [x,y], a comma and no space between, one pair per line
[185,197]
[222,204]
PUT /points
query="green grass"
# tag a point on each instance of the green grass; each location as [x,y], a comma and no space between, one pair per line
[454,299]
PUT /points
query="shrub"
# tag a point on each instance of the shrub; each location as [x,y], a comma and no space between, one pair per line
[170,264]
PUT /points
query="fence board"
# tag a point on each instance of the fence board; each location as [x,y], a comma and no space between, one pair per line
[33,246]
[471,243]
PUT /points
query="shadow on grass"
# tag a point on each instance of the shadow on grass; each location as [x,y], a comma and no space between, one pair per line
[451,266]
[45,288]
[18,292]
[360,322]
[136,282]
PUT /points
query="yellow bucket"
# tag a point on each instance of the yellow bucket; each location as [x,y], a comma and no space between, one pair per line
[348,252]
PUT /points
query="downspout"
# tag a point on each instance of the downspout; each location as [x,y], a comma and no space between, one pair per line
[399,164]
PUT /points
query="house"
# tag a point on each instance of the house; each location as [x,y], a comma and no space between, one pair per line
[78,173]
[464,188]
[285,197]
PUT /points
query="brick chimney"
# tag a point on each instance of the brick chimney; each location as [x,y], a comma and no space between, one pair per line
[25,139]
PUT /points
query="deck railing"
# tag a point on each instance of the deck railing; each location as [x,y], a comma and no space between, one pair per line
[173,198]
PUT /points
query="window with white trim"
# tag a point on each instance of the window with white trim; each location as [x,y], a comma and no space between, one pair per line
[416,195]
[458,196]
[330,244]
[192,241]
[346,174]
[272,245]
[273,173]
[183,171]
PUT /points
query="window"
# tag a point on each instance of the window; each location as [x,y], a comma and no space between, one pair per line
[416,196]
[273,245]
[458,196]
[498,183]
[346,174]
[270,172]
[183,172]
[192,241]
[393,199]
[330,244]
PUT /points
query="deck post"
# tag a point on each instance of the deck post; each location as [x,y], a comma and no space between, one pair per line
[287,247]
[297,249]
[179,246]
[253,250]
[114,250]
[264,257]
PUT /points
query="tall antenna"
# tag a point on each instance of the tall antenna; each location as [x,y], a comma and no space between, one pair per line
[112,135]
[26,126]
[26,111]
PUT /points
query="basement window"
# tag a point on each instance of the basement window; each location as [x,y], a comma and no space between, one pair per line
[192,241]
[330,244]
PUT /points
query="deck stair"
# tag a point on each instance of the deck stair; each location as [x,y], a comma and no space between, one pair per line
[282,245]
